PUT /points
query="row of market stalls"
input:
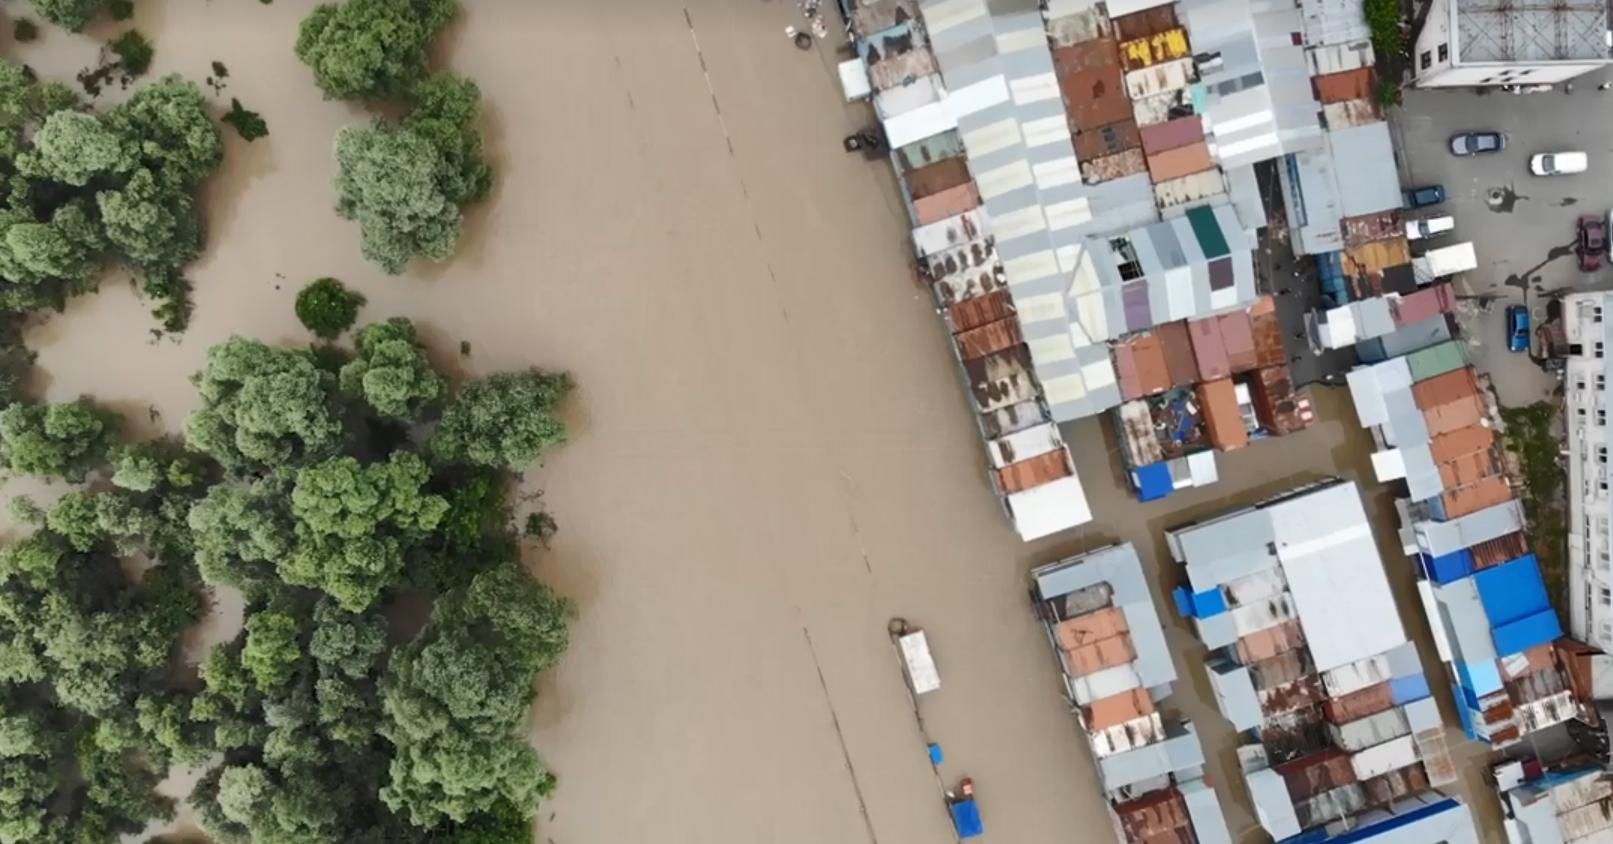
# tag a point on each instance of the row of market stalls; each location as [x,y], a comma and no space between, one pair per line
[1117,675]
[1069,185]
[1341,737]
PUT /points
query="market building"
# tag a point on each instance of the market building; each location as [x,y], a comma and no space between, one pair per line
[1471,43]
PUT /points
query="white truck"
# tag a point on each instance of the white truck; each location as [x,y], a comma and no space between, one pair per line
[1443,262]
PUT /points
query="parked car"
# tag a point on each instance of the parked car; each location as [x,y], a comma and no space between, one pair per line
[1473,143]
[1558,163]
[1592,242]
[1517,328]
[1429,227]
[1425,196]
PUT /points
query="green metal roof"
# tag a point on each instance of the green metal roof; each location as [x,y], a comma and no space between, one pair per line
[1436,360]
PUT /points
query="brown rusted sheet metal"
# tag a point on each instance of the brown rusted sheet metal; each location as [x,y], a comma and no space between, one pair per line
[1175,163]
[1117,709]
[1218,405]
[1267,643]
[1349,85]
[1087,55]
[1151,818]
[1268,333]
[871,17]
[934,178]
[1359,704]
[1280,408]
[1095,97]
[1316,773]
[989,339]
[1086,629]
[1116,166]
[1364,264]
[1034,472]
[1096,656]
[1475,497]
[966,271]
[1209,351]
[1180,366]
[1368,228]
[1140,362]
[1395,785]
[1146,22]
[1500,550]
[1001,379]
[981,310]
[1237,335]
[1109,139]
[1304,693]
[1462,441]
[1450,401]
[1351,113]
[1181,132]
[939,206]
[1469,468]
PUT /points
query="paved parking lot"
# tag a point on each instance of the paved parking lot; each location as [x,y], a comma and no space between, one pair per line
[1522,226]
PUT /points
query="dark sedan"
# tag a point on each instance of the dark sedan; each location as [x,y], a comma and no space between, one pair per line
[1474,143]
[1592,242]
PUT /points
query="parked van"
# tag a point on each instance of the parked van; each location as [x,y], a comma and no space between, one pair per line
[1558,163]
[1429,227]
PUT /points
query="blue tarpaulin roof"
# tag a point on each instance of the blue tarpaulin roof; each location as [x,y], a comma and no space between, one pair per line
[1523,634]
[1448,567]
[1204,604]
[1512,591]
[1403,690]
[1153,481]
[966,817]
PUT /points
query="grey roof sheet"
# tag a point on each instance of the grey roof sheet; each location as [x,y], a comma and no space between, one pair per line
[1227,548]
[1333,22]
[1204,810]
[1467,626]
[1367,155]
[1178,753]
[1437,538]
[1235,693]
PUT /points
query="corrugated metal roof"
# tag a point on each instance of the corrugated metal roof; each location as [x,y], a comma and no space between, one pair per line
[1367,154]
[1181,161]
[1348,85]
[1120,568]
[1499,31]
[1437,538]
[1181,132]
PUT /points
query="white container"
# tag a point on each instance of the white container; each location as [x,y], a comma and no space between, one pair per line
[1356,675]
[921,672]
[1383,758]
[1251,618]
[1260,586]
[1101,684]
[1372,730]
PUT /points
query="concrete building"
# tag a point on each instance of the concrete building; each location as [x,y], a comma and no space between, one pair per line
[1590,520]
[1469,43]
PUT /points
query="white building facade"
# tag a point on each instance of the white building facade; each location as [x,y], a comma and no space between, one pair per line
[1590,546]
[1474,43]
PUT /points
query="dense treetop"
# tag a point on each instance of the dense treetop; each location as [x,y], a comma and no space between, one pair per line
[305,482]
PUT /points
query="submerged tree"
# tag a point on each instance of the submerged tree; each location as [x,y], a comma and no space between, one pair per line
[370,48]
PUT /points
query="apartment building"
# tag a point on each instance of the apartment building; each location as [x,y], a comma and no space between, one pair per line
[1590,581]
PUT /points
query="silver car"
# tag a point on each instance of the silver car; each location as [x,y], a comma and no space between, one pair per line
[1474,143]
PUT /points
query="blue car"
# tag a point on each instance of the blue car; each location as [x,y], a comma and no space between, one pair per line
[1517,328]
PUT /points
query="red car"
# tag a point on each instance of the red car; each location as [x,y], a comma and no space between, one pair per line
[1592,242]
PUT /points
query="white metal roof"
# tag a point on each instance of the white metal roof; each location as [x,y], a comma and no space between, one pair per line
[1049,508]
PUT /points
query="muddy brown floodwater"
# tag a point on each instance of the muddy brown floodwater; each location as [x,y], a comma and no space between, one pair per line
[771,456]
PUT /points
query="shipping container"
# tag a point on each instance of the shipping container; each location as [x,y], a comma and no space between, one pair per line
[1179,363]
[1424,304]
[1349,85]
[1182,161]
[1383,758]
[1263,644]
[1357,675]
[1361,703]
[1102,684]
[1108,139]
[1438,359]
[1268,333]
[941,205]
[1148,111]
[1330,806]
[1280,409]
[1159,79]
[1034,471]
[1302,694]
[1000,380]
[1145,818]
[1370,228]
[965,272]
[1362,733]
[1117,709]
[1190,189]
[1075,28]
[1571,795]
[1154,49]
[1316,773]
[1131,735]
[1350,114]
[1089,628]
[1209,351]
[1338,58]
[1444,262]
[948,144]
[1218,404]
[989,339]
[1249,618]
[1280,670]
[981,310]
[948,234]
[1145,23]
[1117,166]
[1386,789]
[934,178]
[1015,417]
[1023,445]
[1181,132]
[1237,336]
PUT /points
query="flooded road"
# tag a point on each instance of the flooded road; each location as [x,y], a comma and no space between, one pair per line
[772,454]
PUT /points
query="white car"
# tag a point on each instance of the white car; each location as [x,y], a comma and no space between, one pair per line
[1558,163]
[1429,227]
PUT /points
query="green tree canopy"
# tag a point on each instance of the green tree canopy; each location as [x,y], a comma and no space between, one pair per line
[391,373]
[56,440]
[264,407]
[370,48]
[71,15]
[504,421]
